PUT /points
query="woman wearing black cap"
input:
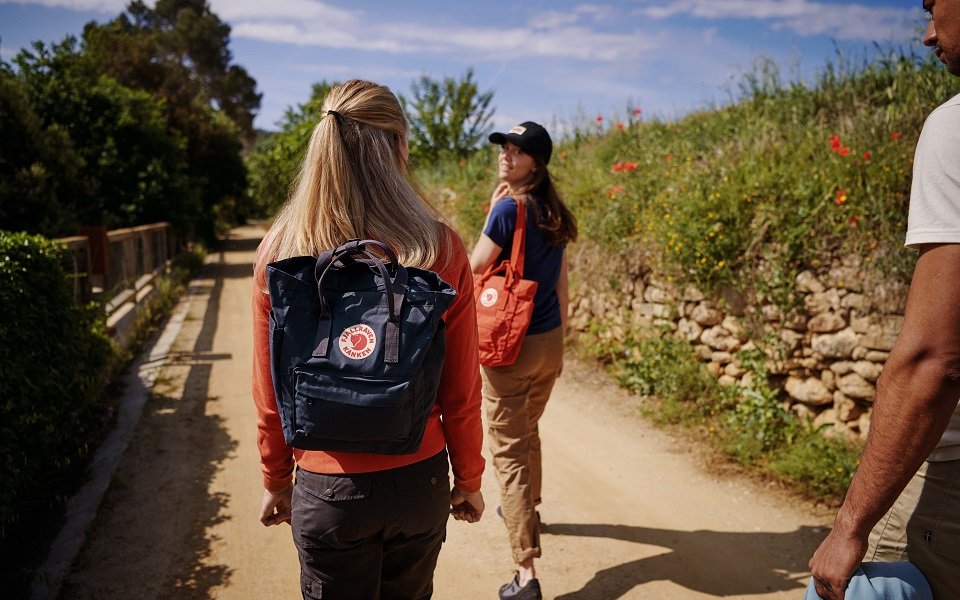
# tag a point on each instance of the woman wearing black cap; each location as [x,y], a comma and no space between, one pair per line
[515,396]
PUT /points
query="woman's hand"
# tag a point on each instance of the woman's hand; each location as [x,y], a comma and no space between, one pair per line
[502,191]
[466,506]
[275,506]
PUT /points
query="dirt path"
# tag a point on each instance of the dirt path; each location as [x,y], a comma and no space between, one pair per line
[628,513]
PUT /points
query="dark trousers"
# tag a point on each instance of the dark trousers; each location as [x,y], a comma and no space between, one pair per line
[372,535]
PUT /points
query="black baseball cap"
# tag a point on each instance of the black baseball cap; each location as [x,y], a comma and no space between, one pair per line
[530,137]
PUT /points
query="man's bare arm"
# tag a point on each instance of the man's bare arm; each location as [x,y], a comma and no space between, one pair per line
[916,395]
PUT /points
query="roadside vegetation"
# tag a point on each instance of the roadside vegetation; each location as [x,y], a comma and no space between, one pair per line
[58,386]
[745,197]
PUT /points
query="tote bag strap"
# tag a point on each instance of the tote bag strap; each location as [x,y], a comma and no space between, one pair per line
[519,239]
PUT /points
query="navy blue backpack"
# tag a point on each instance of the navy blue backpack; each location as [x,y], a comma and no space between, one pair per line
[356,348]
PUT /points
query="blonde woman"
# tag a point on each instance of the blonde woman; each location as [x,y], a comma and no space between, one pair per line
[370,525]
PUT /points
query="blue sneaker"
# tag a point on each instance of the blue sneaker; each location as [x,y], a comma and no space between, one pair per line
[513,591]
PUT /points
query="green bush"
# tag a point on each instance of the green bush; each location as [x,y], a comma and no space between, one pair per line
[819,466]
[55,356]
[657,365]
[755,421]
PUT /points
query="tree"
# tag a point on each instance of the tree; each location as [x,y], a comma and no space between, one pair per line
[447,118]
[40,178]
[178,51]
[133,168]
[273,165]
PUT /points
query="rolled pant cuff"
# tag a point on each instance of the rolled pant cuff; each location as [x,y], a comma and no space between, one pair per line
[522,555]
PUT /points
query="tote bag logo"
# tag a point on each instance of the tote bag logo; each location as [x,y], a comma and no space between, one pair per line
[358,342]
[489,297]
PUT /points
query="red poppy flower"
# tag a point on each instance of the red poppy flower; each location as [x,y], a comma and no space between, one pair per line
[867,155]
[845,151]
[854,220]
[840,197]
[620,127]
[835,143]
[895,135]
[637,112]
[599,118]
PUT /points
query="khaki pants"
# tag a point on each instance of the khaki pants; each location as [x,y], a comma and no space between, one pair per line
[515,397]
[923,526]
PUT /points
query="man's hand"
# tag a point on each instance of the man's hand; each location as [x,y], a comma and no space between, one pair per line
[834,562]
[275,506]
[466,506]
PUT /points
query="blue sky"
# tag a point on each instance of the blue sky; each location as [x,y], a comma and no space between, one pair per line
[557,62]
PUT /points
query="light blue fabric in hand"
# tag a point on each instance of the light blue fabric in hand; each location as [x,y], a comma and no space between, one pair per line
[883,581]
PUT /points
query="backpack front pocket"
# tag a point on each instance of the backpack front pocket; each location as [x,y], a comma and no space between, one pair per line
[351,408]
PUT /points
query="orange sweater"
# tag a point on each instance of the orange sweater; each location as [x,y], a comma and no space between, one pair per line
[454,422]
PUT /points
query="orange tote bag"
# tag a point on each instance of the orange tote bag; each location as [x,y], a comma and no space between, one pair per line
[505,302]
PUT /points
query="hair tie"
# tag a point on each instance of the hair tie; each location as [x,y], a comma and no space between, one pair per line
[336,115]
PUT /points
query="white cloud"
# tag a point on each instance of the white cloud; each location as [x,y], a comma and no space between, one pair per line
[717,9]
[554,18]
[550,35]
[317,23]
[104,6]
[848,21]
[293,10]
[550,19]
[373,73]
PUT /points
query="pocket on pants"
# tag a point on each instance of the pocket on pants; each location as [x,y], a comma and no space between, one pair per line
[334,488]
[311,588]
[431,476]
[328,510]
[934,523]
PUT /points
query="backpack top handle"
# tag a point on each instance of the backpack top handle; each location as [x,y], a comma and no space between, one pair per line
[393,290]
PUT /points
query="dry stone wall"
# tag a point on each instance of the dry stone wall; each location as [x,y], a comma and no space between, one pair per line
[826,356]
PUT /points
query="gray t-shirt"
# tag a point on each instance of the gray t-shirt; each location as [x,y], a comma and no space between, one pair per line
[935,212]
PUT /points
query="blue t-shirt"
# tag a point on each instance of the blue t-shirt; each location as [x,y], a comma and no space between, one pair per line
[541,261]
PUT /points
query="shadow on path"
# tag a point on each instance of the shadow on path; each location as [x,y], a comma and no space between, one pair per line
[711,562]
[153,533]
[209,441]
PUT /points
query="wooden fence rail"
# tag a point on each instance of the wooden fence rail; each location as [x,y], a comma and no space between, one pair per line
[119,268]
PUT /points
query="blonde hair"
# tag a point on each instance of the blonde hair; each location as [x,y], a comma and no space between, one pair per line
[353,184]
